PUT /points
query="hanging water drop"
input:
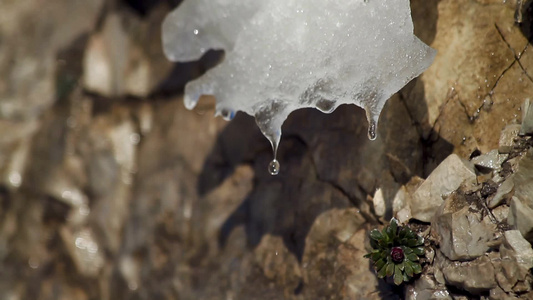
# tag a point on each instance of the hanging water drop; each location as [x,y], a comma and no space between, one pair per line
[273,167]
[372,130]
[227,114]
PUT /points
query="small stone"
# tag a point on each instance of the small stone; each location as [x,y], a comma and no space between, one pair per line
[491,160]
[462,234]
[404,215]
[527,118]
[507,136]
[425,287]
[501,212]
[446,178]
[521,218]
[400,200]
[504,193]
[488,188]
[498,294]
[379,203]
[475,276]
[516,261]
[523,179]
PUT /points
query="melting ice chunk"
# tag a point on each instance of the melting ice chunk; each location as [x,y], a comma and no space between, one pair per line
[282,55]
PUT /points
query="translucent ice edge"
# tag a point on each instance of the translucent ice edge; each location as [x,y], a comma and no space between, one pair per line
[283,55]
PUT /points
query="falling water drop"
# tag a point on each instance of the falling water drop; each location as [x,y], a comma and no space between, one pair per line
[273,167]
[372,127]
[227,114]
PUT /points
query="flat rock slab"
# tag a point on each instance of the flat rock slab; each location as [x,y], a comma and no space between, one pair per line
[446,178]
[462,232]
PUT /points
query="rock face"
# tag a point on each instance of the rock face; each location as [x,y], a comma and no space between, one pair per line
[462,231]
[446,178]
[108,196]
[521,213]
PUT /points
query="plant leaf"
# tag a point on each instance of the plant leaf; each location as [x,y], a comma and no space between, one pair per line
[379,264]
[407,250]
[382,272]
[417,269]
[375,234]
[403,232]
[408,269]
[412,257]
[419,250]
[398,277]
[390,269]
[413,243]
[401,265]
[393,227]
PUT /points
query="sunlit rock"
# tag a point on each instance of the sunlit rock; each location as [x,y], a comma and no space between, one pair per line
[446,178]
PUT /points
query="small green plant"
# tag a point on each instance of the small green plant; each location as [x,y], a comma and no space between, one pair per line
[396,251]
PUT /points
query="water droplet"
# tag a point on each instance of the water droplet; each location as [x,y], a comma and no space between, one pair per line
[227,114]
[372,133]
[135,138]
[15,179]
[33,263]
[273,167]
[196,32]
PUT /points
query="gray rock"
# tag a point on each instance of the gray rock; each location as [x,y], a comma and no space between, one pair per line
[527,118]
[504,193]
[475,276]
[446,178]
[498,294]
[508,134]
[501,212]
[523,179]
[426,287]
[379,203]
[463,233]
[491,160]
[516,260]
[521,218]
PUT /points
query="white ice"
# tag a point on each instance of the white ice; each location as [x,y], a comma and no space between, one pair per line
[282,55]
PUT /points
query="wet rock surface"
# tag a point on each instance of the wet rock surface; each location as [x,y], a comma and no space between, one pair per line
[111,189]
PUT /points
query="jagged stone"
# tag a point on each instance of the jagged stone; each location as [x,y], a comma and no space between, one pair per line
[516,260]
[503,194]
[508,134]
[446,178]
[475,276]
[462,233]
[379,203]
[527,118]
[501,212]
[521,218]
[498,294]
[491,160]
[426,287]
[523,179]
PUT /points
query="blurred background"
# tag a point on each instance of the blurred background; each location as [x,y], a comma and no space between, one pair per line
[111,189]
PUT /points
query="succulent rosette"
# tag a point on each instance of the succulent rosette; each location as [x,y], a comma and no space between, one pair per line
[396,252]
